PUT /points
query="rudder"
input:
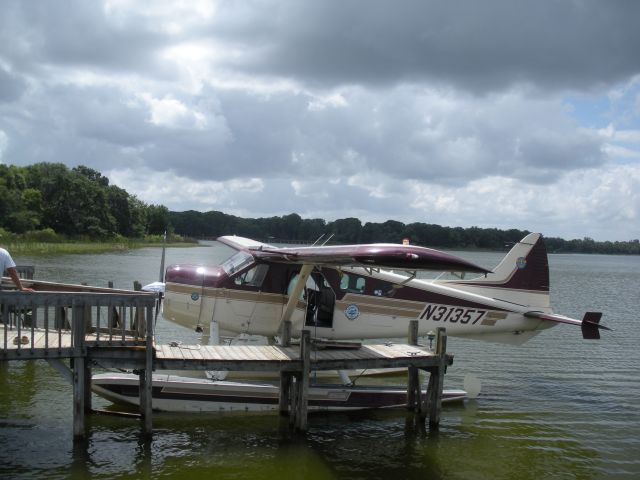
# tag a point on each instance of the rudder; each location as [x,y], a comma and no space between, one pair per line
[522,276]
[525,267]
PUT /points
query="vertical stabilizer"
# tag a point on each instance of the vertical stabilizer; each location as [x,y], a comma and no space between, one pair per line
[525,267]
[521,277]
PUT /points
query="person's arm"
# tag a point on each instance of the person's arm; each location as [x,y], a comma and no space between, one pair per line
[13,273]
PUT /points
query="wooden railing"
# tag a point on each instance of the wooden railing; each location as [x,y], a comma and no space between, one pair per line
[59,325]
[26,271]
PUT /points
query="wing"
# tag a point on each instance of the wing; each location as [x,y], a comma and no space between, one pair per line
[242,243]
[378,255]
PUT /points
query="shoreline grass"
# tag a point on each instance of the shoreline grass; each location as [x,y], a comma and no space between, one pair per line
[60,248]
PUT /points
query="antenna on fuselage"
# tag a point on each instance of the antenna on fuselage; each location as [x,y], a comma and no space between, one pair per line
[327,240]
[317,240]
[324,242]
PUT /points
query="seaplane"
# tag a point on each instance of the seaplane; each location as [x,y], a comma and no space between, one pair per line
[359,292]
[345,293]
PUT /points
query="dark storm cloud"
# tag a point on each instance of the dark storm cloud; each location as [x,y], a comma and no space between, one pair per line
[41,34]
[478,46]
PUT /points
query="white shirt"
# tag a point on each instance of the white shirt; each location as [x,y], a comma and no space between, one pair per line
[5,260]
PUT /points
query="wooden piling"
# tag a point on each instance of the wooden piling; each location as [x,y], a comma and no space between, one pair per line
[284,400]
[302,385]
[80,385]
[414,393]
[146,378]
[436,380]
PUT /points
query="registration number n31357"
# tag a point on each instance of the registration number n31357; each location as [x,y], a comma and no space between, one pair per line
[452,314]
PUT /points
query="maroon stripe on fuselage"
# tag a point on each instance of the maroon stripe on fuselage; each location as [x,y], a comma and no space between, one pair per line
[198,275]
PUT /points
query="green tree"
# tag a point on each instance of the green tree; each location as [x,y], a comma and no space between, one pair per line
[346,230]
[157,219]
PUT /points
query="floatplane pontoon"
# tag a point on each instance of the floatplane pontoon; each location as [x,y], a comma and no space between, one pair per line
[173,393]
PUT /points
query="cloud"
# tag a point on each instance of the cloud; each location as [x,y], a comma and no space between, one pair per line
[11,86]
[455,113]
[474,46]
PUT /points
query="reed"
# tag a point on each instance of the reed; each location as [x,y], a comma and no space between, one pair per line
[19,248]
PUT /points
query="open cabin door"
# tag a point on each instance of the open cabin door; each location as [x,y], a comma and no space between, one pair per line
[320,300]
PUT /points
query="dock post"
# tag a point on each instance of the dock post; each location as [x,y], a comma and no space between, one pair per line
[87,389]
[414,392]
[294,398]
[80,384]
[436,379]
[284,399]
[302,386]
[146,376]
[138,321]
[286,378]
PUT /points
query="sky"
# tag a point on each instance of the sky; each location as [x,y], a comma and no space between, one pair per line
[497,114]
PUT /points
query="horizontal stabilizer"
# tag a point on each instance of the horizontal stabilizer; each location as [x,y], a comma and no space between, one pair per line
[590,323]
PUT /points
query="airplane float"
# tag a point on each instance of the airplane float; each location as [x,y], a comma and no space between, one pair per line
[356,292]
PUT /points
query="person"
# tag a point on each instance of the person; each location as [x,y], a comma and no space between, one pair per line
[7,264]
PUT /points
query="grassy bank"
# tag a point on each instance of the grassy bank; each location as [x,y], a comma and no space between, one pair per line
[47,242]
[44,248]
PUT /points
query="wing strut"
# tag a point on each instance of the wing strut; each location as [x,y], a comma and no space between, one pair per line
[305,271]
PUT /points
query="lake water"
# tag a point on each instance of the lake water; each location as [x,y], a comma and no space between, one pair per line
[557,407]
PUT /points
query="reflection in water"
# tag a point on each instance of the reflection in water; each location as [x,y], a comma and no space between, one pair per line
[18,401]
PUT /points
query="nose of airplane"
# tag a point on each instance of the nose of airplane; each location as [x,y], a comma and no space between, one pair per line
[198,275]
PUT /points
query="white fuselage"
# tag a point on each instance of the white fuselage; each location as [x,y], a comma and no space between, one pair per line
[462,309]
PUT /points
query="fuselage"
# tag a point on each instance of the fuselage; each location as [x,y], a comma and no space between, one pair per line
[243,295]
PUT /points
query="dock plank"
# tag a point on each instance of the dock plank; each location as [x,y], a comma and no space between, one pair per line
[213,353]
[188,351]
[176,353]
[255,353]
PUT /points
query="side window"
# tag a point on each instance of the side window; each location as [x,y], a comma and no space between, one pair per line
[352,283]
[252,277]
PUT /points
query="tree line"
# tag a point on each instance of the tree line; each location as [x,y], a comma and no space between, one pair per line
[50,199]
[293,228]
[46,200]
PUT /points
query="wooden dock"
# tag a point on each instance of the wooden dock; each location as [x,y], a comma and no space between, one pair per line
[115,329]
[277,358]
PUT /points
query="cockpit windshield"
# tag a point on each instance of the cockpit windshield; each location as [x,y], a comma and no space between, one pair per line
[237,262]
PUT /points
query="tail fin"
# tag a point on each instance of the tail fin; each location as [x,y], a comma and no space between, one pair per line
[522,275]
[525,267]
